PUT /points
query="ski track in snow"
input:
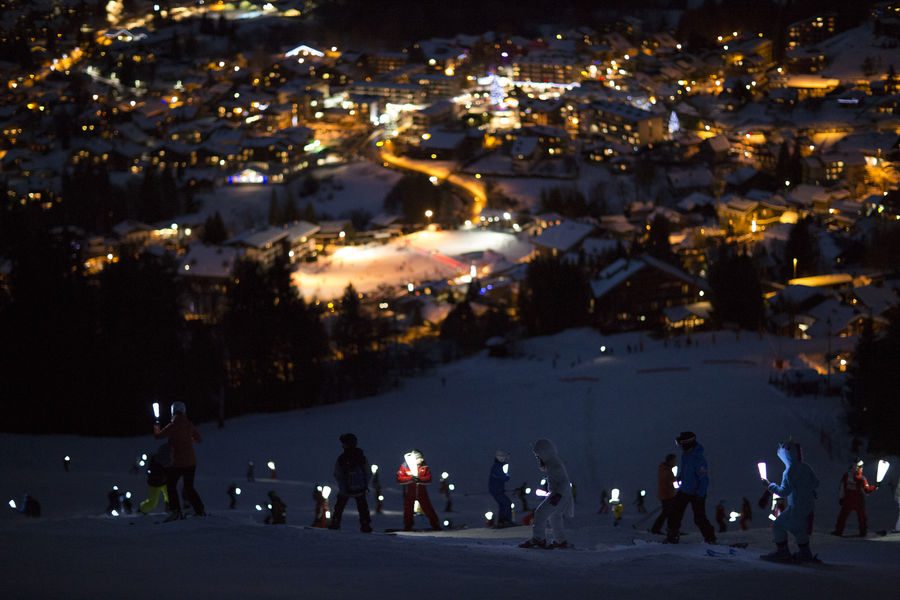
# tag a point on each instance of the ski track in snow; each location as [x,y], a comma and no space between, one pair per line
[613,417]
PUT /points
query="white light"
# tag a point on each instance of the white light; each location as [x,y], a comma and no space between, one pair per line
[143,457]
[374,469]
[271,465]
[489,516]
[761,467]
[327,514]
[429,213]
[128,495]
[602,348]
[772,517]
[412,464]
[67,459]
[883,467]
[506,469]
[237,491]
[541,493]
[156,409]
[115,513]
[187,231]
[381,498]
[109,256]
[614,495]
[12,504]
[451,487]
[445,475]
[734,515]
[115,488]
[410,287]
[528,490]
[643,493]
[258,507]
[446,523]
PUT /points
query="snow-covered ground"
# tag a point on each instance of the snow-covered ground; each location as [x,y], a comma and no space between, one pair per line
[421,256]
[849,50]
[613,417]
[343,190]
[618,190]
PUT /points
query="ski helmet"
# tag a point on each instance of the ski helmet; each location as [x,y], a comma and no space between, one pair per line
[686,439]
[178,407]
[349,440]
[502,456]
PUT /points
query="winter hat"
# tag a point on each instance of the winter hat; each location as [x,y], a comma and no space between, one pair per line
[348,439]
[502,456]
[178,407]
[686,438]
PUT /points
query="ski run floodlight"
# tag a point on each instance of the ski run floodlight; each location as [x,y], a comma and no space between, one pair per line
[761,467]
[411,464]
[883,467]
[156,410]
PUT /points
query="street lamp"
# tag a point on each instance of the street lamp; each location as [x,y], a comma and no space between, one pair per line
[428,214]
[795,267]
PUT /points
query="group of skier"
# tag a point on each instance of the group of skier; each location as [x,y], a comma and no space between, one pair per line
[176,460]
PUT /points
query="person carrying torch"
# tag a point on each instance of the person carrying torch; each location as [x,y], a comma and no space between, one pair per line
[181,435]
[497,488]
[853,491]
[558,502]
[693,480]
[798,486]
[413,474]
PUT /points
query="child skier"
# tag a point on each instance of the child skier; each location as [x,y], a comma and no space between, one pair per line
[665,491]
[497,488]
[798,485]
[278,510]
[557,504]
[156,479]
[414,475]
[854,489]
[618,509]
[351,471]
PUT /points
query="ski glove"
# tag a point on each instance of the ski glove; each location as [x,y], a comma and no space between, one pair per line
[555,498]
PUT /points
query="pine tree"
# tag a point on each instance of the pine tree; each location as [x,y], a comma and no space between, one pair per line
[214,230]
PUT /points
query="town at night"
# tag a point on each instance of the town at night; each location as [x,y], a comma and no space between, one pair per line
[330,298]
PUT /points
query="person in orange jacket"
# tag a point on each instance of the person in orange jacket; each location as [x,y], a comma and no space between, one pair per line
[853,491]
[665,481]
[414,475]
[181,435]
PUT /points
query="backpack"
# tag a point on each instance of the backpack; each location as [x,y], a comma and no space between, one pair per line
[357,481]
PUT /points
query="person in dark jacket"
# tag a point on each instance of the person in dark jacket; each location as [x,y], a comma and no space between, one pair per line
[694,476]
[157,479]
[352,474]
[278,510]
[181,435]
[497,488]
[746,514]
[721,517]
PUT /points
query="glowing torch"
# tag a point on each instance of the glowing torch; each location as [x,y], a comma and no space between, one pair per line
[614,496]
[411,464]
[272,473]
[883,467]
[733,516]
[156,412]
[12,504]
[676,484]
[761,467]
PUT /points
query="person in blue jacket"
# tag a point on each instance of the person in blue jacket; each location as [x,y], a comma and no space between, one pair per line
[497,488]
[693,474]
[798,485]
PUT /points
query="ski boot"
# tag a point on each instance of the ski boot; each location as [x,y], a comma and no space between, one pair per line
[781,554]
[804,555]
[534,543]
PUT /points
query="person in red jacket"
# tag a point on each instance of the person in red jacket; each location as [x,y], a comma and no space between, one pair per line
[854,487]
[414,475]
[181,435]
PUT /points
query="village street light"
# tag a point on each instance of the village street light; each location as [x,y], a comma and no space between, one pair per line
[795,267]
[428,214]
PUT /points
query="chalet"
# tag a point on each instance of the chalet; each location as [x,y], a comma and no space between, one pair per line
[562,238]
[205,273]
[633,293]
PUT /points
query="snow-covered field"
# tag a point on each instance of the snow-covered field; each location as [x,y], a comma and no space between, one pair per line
[613,418]
[421,256]
[343,190]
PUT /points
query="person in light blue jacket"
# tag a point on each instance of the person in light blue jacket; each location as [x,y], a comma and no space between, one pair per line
[798,485]
[693,475]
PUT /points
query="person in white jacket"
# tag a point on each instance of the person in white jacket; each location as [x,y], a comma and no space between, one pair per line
[557,504]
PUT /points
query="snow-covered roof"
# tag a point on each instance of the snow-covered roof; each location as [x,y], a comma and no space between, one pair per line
[878,299]
[208,261]
[563,237]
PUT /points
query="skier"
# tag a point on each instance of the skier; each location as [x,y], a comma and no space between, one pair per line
[376,486]
[232,496]
[665,491]
[30,507]
[853,491]
[639,502]
[694,476]
[251,477]
[618,509]
[156,479]
[414,475]
[721,517]
[557,504]
[798,486]
[181,435]
[522,495]
[445,489]
[113,501]
[351,471]
[496,487]
[746,514]
[320,512]
[278,510]
[604,502]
